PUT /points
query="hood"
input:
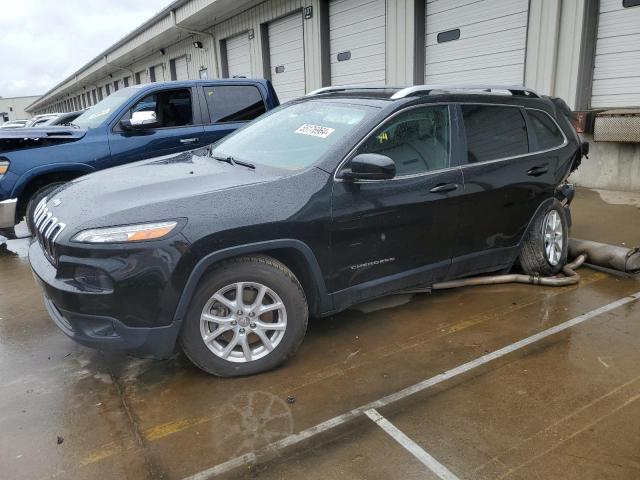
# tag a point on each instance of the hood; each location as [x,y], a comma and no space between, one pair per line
[156,189]
[23,138]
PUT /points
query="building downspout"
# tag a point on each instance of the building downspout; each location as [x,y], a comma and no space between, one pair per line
[199,32]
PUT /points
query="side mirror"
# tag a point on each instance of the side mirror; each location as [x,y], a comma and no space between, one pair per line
[140,121]
[369,166]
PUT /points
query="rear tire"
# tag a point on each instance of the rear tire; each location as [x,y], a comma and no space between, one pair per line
[228,338]
[35,199]
[545,248]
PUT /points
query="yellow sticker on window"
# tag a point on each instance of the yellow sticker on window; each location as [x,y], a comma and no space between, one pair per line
[383,137]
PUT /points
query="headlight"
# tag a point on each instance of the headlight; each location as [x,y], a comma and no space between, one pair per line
[4,167]
[126,233]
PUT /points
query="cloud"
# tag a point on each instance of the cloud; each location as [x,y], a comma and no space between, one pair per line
[44,42]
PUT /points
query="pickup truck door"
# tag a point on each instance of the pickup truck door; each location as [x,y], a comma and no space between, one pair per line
[227,107]
[179,127]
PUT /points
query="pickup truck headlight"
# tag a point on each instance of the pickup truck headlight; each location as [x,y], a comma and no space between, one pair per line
[126,233]
[4,167]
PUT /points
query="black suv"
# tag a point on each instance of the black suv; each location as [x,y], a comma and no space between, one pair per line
[344,195]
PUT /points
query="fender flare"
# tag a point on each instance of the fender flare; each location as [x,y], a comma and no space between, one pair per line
[259,247]
[29,175]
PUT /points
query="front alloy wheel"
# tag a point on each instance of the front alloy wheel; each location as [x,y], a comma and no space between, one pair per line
[243,322]
[248,315]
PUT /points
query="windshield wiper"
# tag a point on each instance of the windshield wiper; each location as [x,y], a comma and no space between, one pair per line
[233,161]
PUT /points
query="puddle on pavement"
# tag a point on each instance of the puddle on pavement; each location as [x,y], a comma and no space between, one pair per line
[18,247]
[14,248]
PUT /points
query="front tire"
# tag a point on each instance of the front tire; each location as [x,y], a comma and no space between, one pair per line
[247,316]
[545,248]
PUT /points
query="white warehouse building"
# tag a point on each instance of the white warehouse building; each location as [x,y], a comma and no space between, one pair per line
[585,51]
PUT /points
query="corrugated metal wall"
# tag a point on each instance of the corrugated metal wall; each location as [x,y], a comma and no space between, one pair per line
[501,41]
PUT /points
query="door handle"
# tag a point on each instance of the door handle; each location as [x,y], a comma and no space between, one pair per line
[189,140]
[537,171]
[444,187]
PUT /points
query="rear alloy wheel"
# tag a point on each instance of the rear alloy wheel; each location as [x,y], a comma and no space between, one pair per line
[553,235]
[248,315]
[545,247]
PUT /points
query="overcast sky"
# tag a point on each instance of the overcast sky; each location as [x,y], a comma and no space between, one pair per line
[42,42]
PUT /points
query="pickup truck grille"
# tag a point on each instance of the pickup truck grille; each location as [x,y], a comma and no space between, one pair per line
[47,229]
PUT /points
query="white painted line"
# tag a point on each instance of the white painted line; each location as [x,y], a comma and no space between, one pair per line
[413,389]
[412,447]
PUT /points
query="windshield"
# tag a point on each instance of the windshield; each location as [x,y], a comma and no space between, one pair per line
[293,136]
[97,114]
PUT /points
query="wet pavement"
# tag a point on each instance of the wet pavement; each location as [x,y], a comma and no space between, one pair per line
[566,406]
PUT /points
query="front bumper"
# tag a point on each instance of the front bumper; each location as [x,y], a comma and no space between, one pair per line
[99,318]
[106,333]
[8,213]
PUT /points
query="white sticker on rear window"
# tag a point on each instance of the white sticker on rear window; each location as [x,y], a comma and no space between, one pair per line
[315,130]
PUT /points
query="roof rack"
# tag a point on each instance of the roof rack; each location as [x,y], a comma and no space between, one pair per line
[344,88]
[516,90]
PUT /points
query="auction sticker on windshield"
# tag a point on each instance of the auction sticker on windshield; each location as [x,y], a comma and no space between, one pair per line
[315,130]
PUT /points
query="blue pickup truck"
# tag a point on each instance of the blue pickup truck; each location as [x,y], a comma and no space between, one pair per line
[131,124]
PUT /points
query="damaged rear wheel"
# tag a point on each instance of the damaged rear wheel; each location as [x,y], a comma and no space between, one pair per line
[545,247]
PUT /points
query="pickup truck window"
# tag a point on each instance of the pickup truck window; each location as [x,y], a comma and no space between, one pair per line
[99,112]
[233,103]
[172,107]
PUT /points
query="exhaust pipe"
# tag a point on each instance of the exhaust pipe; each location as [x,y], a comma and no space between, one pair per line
[608,256]
[570,278]
[600,254]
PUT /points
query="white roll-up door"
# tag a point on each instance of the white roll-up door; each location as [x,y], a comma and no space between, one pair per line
[357,42]
[142,77]
[238,56]
[471,41]
[181,69]
[616,73]
[286,56]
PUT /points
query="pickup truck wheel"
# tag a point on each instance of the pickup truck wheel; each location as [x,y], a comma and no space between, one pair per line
[35,199]
[545,248]
[247,316]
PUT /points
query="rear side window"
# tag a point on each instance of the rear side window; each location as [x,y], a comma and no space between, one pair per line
[547,133]
[494,132]
[233,103]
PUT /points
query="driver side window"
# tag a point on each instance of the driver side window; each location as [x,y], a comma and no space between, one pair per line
[172,107]
[417,140]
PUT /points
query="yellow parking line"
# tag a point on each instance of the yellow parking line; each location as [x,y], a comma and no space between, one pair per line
[161,431]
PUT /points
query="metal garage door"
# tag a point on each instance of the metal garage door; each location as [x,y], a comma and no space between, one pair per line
[357,41]
[142,77]
[473,41]
[616,74]
[286,56]
[238,57]
[180,69]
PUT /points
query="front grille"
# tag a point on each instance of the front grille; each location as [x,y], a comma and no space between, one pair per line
[47,229]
